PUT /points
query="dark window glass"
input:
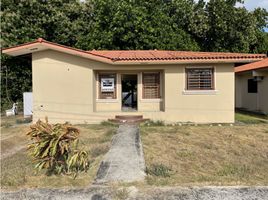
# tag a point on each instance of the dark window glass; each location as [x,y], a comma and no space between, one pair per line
[252,86]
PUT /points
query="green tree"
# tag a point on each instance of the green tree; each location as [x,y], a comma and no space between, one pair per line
[16,78]
[126,24]
[191,17]
[27,20]
[23,21]
[232,28]
[261,45]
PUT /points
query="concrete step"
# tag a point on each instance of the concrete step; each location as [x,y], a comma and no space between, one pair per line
[128,119]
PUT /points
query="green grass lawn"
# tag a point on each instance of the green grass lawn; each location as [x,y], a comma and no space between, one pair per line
[207,154]
[250,118]
[184,155]
[17,170]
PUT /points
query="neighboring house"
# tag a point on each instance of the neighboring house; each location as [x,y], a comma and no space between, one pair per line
[251,82]
[175,86]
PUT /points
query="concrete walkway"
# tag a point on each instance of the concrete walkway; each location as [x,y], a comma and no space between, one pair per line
[124,161]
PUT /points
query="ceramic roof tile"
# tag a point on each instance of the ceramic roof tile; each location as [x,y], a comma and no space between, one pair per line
[251,66]
[124,55]
[138,56]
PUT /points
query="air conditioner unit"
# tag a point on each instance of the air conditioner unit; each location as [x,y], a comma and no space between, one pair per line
[258,78]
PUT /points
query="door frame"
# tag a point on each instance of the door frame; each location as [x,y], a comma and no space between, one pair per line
[137,86]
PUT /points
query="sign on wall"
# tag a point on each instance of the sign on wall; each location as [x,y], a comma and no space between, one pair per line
[107,84]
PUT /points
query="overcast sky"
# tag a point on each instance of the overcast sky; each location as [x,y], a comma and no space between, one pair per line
[251,4]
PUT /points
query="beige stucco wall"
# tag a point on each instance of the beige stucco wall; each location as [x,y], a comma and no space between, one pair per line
[216,106]
[251,101]
[263,99]
[62,86]
[64,89]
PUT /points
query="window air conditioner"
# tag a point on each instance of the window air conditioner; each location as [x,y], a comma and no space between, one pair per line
[258,78]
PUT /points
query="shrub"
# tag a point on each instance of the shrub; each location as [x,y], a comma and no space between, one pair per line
[54,148]
[158,170]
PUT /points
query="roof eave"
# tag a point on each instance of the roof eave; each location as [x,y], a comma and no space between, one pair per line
[41,45]
[251,69]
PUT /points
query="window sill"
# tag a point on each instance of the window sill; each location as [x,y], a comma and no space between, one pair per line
[107,100]
[151,100]
[201,92]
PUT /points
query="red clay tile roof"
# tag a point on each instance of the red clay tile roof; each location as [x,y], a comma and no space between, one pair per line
[251,66]
[136,56]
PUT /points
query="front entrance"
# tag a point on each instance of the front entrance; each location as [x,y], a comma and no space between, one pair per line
[129,92]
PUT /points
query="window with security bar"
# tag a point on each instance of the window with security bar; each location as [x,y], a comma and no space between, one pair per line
[151,85]
[200,79]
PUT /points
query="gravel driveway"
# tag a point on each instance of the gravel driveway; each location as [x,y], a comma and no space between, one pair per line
[131,193]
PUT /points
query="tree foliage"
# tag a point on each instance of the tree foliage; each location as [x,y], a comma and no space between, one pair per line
[218,25]
[121,24]
[26,20]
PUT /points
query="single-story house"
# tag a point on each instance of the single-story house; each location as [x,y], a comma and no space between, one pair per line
[251,82]
[90,86]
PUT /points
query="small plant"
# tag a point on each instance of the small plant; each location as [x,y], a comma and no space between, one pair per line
[158,170]
[107,123]
[240,171]
[154,123]
[121,194]
[55,148]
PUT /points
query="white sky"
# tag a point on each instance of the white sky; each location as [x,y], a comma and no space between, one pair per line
[252,4]
[249,4]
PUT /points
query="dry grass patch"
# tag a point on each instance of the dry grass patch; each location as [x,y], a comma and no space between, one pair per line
[13,120]
[207,155]
[12,140]
[17,170]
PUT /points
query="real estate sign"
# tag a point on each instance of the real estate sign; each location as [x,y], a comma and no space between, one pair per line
[107,84]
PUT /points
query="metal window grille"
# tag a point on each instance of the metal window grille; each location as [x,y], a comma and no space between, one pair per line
[151,85]
[200,79]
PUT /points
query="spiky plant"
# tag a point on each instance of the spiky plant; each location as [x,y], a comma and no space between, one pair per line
[55,148]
